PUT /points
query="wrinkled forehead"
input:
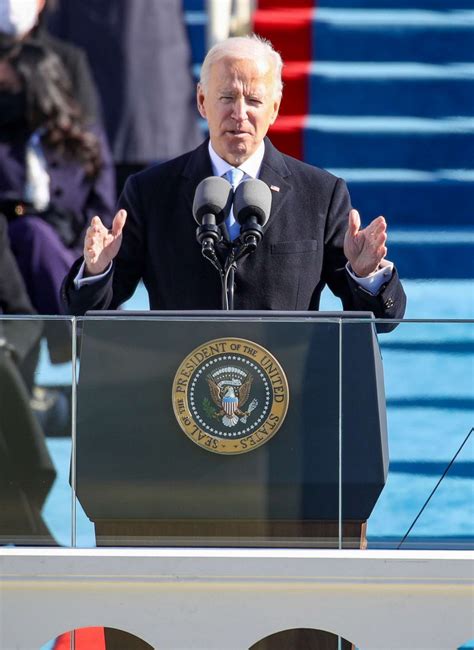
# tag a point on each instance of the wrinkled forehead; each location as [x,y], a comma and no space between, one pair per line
[231,70]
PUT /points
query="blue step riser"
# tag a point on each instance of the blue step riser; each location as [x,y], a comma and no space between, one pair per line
[331,43]
[415,204]
[430,262]
[194,5]
[389,150]
[425,5]
[430,45]
[407,97]
[197,40]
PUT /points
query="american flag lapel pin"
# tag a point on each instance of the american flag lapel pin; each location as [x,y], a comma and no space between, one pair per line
[275,188]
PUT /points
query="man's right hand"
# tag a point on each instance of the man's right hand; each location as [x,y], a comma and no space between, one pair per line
[102,245]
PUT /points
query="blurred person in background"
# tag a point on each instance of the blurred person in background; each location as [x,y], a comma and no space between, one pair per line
[140,57]
[26,469]
[21,19]
[55,168]
[228,18]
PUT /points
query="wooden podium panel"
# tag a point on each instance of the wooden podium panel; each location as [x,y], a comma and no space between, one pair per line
[247,534]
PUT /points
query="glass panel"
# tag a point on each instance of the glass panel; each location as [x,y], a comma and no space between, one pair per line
[428,498]
[208,430]
[35,431]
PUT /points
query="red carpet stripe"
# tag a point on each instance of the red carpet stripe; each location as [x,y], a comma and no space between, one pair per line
[288,25]
[87,638]
[285,4]
[295,88]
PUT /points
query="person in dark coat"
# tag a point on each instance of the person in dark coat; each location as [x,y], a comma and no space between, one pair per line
[313,238]
[140,57]
[55,169]
[26,469]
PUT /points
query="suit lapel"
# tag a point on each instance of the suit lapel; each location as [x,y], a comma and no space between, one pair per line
[275,173]
[197,167]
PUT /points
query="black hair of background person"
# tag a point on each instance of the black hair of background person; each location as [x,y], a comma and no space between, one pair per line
[77,161]
[76,63]
[52,106]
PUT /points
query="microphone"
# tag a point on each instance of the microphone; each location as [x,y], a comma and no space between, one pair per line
[212,201]
[252,205]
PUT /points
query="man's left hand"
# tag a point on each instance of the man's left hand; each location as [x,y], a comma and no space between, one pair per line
[365,248]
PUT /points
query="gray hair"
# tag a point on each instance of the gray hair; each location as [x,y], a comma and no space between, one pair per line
[244,47]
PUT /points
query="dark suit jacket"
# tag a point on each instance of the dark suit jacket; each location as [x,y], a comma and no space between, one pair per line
[301,250]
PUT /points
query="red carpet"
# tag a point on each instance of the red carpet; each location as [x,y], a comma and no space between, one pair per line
[87,638]
[287,24]
[285,4]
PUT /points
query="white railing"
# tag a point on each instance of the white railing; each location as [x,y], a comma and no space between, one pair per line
[228,599]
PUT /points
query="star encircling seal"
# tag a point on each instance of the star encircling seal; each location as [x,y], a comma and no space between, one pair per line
[230,395]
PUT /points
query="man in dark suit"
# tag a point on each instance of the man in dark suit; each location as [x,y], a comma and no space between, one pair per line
[312,238]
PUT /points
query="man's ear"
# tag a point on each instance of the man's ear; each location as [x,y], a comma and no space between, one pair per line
[200,98]
[276,108]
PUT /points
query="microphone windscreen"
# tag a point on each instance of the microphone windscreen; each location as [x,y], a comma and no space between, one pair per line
[252,198]
[213,196]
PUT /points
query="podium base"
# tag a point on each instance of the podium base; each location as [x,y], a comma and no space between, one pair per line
[222,533]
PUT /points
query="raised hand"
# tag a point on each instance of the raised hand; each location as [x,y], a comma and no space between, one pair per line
[365,248]
[101,245]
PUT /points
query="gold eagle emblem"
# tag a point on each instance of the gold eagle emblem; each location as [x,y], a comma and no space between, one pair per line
[230,397]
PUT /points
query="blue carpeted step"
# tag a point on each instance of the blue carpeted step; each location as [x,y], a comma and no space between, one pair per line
[425,254]
[410,89]
[408,198]
[194,5]
[371,35]
[426,5]
[393,35]
[399,143]
[436,5]
[196,22]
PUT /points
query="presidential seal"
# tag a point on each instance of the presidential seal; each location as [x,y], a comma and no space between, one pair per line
[230,396]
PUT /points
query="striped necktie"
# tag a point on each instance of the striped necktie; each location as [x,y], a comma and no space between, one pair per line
[234,175]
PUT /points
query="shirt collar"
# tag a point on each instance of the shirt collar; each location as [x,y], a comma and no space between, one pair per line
[251,167]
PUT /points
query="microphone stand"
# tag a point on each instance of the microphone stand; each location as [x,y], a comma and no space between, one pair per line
[208,235]
[238,252]
[229,279]
[231,286]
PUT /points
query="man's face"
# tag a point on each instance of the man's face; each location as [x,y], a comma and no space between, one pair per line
[239,106]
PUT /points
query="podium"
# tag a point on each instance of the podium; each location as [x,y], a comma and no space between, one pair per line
[162,461]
